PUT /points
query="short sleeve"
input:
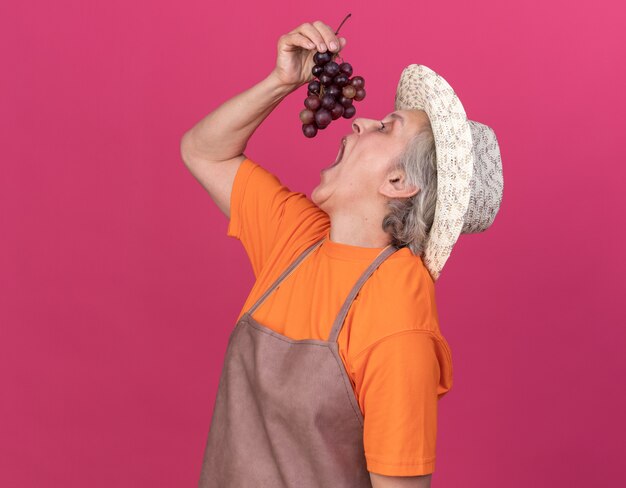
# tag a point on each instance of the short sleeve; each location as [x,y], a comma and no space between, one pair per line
[399,380]
[263,212]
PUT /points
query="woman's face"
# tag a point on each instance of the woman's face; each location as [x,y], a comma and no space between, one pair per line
[367,160]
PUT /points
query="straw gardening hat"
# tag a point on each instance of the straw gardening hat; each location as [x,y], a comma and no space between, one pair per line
[469,166]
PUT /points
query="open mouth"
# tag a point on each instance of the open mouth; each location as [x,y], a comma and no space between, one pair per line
[340,153]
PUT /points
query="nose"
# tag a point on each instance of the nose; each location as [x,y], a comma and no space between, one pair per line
[360,124]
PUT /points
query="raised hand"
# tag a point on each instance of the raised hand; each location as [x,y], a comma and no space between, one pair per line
[296,49]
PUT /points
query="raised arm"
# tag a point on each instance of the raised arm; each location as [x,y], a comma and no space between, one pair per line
[213,149]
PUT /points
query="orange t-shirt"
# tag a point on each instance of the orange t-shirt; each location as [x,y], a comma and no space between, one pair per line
[397,360]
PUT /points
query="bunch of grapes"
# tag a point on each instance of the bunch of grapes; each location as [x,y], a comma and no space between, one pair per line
[332,94]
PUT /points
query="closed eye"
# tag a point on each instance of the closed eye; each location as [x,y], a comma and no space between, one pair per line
[383,126]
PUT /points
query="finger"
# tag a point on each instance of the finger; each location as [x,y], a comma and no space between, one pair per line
[314,35]
[330,39]
[297,39]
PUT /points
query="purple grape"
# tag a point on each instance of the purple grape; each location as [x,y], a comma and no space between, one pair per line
[317,70]
[307,116]
[346,102]
[326,79]
[337,111]
[314,86]
[358,82]
[309,130]
[328,101]
[322,118]
[359,95]
[322,58]
[349,112]
[313,102]
[346,68]
[334,90]
[331,68]
[341,80]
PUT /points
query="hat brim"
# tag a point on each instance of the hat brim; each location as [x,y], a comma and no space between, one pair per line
[420,88]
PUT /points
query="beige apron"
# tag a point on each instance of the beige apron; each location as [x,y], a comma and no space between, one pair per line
[285,414]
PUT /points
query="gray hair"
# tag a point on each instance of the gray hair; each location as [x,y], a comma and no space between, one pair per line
[410,219]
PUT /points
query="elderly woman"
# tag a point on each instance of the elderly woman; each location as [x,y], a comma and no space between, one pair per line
[334,381]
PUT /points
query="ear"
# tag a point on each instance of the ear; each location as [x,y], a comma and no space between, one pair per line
[396,186]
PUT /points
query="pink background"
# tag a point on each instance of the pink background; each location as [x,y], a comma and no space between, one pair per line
[119,286]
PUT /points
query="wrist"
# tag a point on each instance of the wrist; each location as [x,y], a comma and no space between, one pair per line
[280,86]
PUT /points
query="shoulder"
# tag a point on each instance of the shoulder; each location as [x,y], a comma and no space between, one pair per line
[406,285]
[398,296]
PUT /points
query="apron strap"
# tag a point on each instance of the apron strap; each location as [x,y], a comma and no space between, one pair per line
[285,273]
[384,254]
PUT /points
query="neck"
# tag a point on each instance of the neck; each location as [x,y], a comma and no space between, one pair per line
[362,229]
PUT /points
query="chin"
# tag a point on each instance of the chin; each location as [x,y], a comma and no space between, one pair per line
[315,197]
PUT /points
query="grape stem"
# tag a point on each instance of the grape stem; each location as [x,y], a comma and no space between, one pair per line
[346,18]
[336,55]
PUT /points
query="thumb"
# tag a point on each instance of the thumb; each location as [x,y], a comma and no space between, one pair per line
[342,41]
